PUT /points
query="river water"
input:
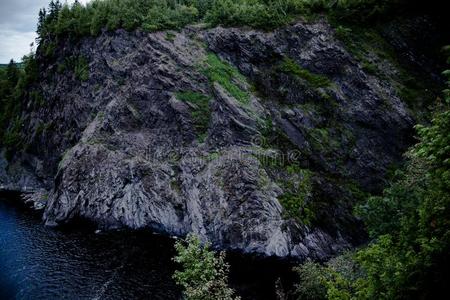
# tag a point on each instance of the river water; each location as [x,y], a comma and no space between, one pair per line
[38,262]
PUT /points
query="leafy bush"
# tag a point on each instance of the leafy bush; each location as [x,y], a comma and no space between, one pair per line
[165,17]
[311,285]
[204,274]
[336,279]
[296,196]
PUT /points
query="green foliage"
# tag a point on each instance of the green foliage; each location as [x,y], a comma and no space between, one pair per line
[37,98]
[201,113]
[49,49]
[170,36]
[204,274]
[77,20]
[289,66]
[81,69]
[322,139]
[254,13]
[311,286]
[409,225]
[297,193]
[13,82]
[16,86]
[227,76]
[337,279]
[410,229]
[12,137]
[166,17]
[76,64]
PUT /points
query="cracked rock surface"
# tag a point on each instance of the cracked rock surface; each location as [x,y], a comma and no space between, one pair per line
[123,148]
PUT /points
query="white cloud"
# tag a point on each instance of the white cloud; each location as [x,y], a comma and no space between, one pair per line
[18,20]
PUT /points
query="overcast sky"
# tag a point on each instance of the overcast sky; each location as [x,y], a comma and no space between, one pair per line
[18,19]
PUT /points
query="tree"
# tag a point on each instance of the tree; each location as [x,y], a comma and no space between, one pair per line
[409,225]
[54,8]
[311,285]
[41,24]
[204,274]
[12,73]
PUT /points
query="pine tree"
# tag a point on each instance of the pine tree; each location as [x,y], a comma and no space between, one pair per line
[12,73]
[41,24]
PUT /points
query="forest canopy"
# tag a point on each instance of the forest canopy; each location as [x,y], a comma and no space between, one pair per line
[77,20]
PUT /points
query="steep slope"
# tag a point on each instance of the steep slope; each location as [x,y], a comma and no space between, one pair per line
[255,141]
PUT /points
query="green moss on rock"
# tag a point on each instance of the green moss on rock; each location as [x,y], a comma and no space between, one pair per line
[200,112]
[227,76]
[289,66]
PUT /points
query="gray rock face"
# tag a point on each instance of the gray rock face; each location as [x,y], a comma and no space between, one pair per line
[123,150]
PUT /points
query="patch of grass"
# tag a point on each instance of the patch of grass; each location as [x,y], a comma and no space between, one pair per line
[326,140]
[289,66]
[272,137]
[77,64]
[81,69]
[213,156]
[170,36]
[227,76]
[370,67]
[200,113]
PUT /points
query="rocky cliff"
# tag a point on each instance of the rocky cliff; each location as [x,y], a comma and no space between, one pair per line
[255,141]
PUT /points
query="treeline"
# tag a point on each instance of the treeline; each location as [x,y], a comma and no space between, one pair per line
[409,224]
[77,20]
[15,82]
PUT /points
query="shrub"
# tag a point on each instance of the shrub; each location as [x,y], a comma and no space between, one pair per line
[165,17]
[204,274]
[296,196]
[311,286]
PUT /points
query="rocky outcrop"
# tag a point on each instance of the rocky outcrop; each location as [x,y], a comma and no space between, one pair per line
[290,142]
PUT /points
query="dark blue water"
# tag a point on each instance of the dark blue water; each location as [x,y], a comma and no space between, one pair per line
[38,262]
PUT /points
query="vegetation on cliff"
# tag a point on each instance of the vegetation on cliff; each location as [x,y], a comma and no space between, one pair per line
[77,20]
[409,226]
[15,86]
